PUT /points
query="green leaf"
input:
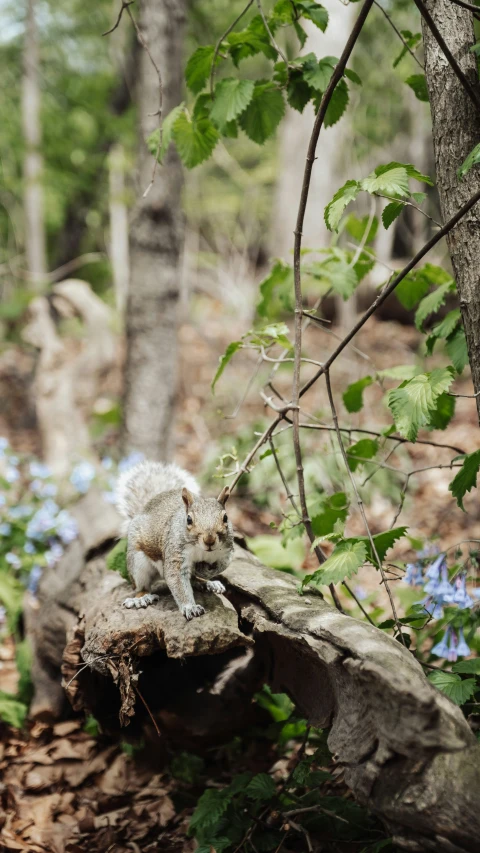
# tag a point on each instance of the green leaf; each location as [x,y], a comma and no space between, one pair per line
[443,412]
[452,685]
[232,96]
[317,73]
[357,453]
[199,67]
[472,160]
[337,271]
[12,712]
[393,179]
[167,132]
[326,515]
[281,274]
[412,40]
[250,41]
[314,12]
[187,767]
[443,329]
[278,705]
[412,289]
[391,212]
[414,401]
[210,808]
[433,302]
[467,666]
[195,139]
[264,112]
[345,561]
[357,228]
[353,76]
[338,104]
[353,396]
[457,350]
[466,479]
[261,788]
[401,371]
[418,84]
[298,91]
[383,542]
[232,348]
[343,197]
[117,559]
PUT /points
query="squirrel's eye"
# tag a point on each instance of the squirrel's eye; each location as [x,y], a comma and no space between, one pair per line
[225,518]
[189,520]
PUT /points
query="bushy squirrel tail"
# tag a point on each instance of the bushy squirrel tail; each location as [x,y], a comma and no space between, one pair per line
[141,483]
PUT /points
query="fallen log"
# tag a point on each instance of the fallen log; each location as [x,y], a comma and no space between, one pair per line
[407,750]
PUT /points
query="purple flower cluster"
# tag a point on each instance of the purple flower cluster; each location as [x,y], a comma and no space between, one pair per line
[440,591]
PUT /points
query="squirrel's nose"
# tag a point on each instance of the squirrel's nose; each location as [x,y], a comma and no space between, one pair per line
[209,539]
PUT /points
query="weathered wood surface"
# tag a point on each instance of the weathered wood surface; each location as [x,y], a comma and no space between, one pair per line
[407,750]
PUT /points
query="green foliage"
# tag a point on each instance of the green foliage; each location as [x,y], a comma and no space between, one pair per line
[472,160]
[412,40]
[261,788]
[345,561]
[391,212]
[353,396]
[12,712]
[117,559]
[327,512]
[458,690]
[418,84]
[232,96]
[431,303]
[264,112]
[383,542]
[277,285]
[195,139]
[91,726]
[457,350]
[167,134]
[362,450]
[198,68]
[413,403]
[468,667]
[466,479]
[232,348]
[187,767]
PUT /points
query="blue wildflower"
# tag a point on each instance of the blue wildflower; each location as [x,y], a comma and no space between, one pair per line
[3,445]
[42,489]
[82,476]
[3,616]
[462,648]
[441,649]
[5,528]
[461,596]
[53,554]
[413,574]
[29,548]
[20,511]
[453,650]
[34,579]
[433,571]
[38,469]
[107,463]
[13,560]
[129,461]
[433,606]
[11,474]
[3,500]
[67,527]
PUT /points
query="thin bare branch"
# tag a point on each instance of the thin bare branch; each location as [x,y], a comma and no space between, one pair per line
[395,28]
[219,42]
[124,5]
[271,36]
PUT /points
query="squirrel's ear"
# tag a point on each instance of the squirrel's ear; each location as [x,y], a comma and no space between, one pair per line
[187,497]
[224,495]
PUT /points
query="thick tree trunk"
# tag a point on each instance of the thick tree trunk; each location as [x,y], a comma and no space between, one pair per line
[33,191]
[407,751]
[155,244]
[456,131]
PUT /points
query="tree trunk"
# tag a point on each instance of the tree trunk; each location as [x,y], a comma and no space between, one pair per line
[118,226]
[33,191]
[155,244]
[407,750]
[456,131]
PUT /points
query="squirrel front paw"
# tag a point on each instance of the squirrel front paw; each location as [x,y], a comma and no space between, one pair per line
[192,610]
[143,601]
[215,586]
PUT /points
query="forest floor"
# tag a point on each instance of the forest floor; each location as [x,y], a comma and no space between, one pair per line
[66,791]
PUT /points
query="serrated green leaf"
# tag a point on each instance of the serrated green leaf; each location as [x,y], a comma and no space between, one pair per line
[338,104]
[431,303]
[457,350]
[443,412]
[383,542]
[167,129]
[232,96]
[412,289]
[414,401]
[328,513]
[418,85]
[232,348]
[412,40]
[12,712]
[198,68]
[210,808]
[401,371]
[343,197]
[264,112]
[281,274]
[261,788]
[472,160]
[353,396]
[362,450]
[338,272]
[466,479]
[452,685]
[250,41]
[443,329]
[469,667]
[317,73]
[353,76]
[195,139]
[393,179]
[419,198]
[314,12]
[391,212]
[345,561]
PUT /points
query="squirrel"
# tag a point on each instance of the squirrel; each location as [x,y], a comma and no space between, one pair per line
[172,533]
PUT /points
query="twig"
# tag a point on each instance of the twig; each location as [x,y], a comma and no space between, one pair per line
[124,5]
[387,291]
[137,690]
[398,438]
[283,479]
[360,505]
[470,90]
[219,43]
[159,112]
[358,602]
[272,37]
[469,396]
[410,204]
[394,27]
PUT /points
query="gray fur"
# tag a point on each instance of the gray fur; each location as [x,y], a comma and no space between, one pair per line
[160,541]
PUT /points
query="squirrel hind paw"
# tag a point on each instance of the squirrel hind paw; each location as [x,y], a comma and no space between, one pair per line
[190,611]
[216,586]
[142,601]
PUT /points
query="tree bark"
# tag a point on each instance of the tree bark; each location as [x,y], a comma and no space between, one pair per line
[456,131]
[33,165]
[155,245]
[407,751]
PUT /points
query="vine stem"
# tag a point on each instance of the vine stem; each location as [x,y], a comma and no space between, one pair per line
[360,505]
[222,37]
